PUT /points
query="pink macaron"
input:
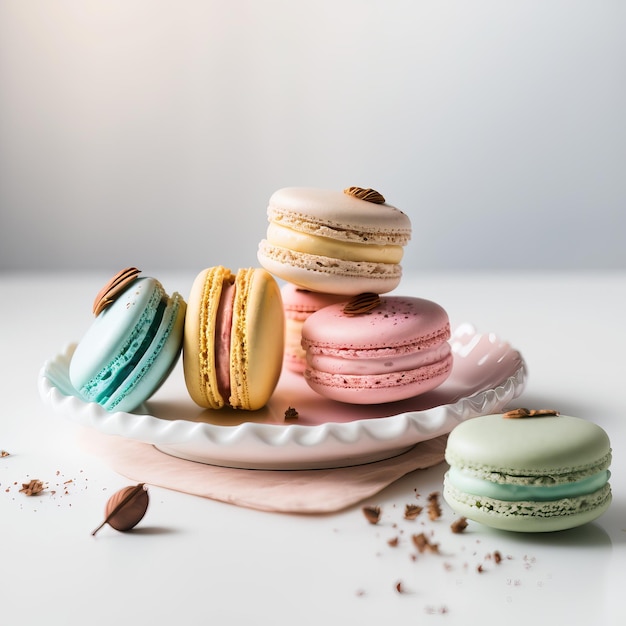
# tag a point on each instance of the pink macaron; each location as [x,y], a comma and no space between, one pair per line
[375,349]
[298,305]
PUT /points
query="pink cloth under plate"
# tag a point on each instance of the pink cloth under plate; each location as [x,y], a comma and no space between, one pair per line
[284,491]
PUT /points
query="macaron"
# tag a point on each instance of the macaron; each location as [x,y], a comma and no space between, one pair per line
[374,349]
[234,338]
[343,242]
[528,471]
[132,345]
[298,305]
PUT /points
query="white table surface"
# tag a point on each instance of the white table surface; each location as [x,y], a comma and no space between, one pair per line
[197,561]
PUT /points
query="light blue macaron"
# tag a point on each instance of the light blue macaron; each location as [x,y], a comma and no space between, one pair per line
[131,347]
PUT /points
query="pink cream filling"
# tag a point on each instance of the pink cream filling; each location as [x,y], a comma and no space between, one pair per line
[223,326]
[363,366]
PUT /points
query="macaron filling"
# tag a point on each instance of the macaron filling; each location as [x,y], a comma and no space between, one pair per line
[107,381]
[285,237]
[469,484]
[223,330]
[156,363]
[376,361]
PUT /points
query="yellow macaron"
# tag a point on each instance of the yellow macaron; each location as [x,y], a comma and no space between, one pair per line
[234,338]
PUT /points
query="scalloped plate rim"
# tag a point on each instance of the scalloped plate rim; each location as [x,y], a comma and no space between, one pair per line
[255,445]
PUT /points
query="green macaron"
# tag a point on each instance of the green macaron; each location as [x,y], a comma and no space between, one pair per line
[528,471]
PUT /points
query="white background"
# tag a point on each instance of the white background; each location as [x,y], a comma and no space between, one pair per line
[152,132]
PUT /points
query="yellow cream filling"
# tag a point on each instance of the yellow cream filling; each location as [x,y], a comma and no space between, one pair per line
[323,246]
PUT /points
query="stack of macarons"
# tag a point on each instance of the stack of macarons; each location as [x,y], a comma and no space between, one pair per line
[338,251]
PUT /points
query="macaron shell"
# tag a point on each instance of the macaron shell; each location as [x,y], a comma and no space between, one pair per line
[199,364]
[397,322]
[532,447]
[337,215]
[298,305]
[528,516]
[378,389]
[257,342]
[328,274]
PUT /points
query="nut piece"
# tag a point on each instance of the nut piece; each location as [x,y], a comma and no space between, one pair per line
[372,514]
[411,511]
[362,303]
[423,544]
[126,508]
[459,525]
[434,509]
[369,195]
[32,488]
[113,288]
[519,413]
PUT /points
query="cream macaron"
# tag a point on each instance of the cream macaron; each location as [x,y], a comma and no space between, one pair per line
[234,338]
[342,242]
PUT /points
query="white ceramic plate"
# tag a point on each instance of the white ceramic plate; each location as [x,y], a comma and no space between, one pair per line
[486,376]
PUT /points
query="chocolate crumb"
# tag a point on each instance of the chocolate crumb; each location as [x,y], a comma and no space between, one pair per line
[423,544]
[4,453]
[411,511]
[291,414]
[459,525]
[393,542]
[372,514]
[400,587]
[497,557]
[434,509]
[32,488]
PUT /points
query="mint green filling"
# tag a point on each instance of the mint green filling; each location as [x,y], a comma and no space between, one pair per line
[516,493]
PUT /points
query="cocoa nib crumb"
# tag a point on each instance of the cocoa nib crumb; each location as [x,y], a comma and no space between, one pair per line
[459,525]
[372,514]
[497,557]
[393,542]
[32,488]
[291,414]
[423,544]
[400,588]
[411,511]
[434,509]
